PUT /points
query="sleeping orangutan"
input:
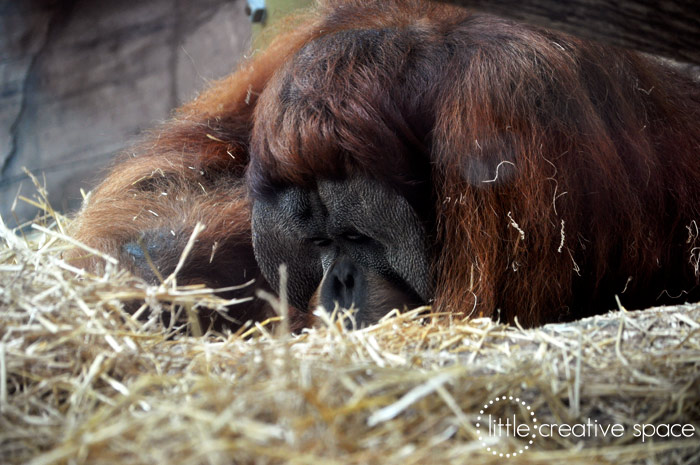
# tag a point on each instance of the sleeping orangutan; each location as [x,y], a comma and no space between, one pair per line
[401,153]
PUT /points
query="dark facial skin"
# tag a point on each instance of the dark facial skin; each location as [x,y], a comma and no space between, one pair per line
[352,243]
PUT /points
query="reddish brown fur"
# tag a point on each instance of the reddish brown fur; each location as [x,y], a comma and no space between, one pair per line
[559,168]
[592,153]
[188,171]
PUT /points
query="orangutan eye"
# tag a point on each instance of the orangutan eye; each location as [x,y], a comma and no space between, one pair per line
[320,241]
[353,236]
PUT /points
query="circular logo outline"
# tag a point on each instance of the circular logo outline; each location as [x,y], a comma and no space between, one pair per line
[517,401]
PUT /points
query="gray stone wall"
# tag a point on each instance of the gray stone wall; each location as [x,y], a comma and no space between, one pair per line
[79,80]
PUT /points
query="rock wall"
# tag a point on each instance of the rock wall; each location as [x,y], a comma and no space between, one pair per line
[80,79]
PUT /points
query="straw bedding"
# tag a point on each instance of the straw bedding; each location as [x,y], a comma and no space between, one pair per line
[82,381]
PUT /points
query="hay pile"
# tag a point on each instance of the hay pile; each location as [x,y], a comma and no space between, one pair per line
[81,381]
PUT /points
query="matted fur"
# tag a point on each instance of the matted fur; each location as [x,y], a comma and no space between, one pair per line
[553,173]
[562,172]
[188,171]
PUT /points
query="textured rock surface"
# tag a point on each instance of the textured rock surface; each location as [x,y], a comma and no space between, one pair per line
[80,79]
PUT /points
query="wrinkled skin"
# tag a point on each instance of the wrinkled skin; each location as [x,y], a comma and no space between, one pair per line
[354,244]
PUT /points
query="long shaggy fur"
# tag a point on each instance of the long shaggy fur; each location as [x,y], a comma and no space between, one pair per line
[560,172]
[552,173]
[189,171]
